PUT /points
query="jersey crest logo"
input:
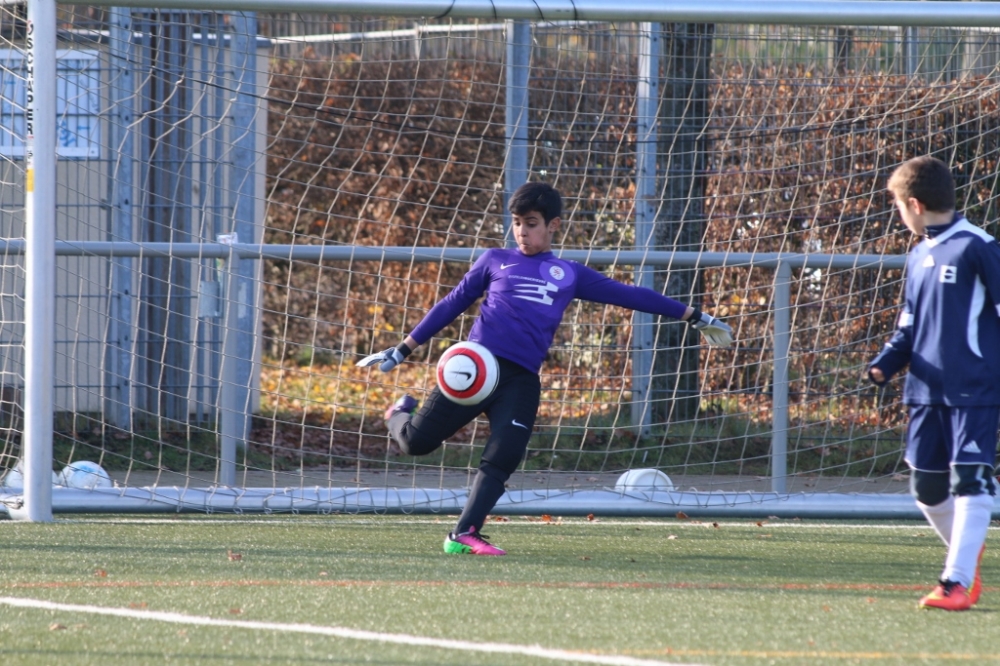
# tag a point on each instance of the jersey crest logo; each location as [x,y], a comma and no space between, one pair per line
[539,293]
[928,262]
[948,275]
[971,447]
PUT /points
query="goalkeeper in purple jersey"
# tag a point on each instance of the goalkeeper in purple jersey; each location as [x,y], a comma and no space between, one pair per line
[526,291]
[949,335]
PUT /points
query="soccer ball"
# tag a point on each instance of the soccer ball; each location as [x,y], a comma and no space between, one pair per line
[85,475]
[467,373]
[14,478]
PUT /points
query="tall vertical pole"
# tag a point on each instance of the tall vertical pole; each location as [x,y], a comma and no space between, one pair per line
[232,406]
[241,301]
[643,332]
[40,233]
[518,73]
[779,385]
[120,349]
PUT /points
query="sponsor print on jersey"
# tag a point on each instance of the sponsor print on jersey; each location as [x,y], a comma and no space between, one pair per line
[539,293]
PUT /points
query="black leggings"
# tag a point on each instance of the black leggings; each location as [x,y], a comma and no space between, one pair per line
[511,410]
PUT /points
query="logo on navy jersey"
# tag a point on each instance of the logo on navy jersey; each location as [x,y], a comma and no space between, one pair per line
[971,447]
[928,262]
[948,275]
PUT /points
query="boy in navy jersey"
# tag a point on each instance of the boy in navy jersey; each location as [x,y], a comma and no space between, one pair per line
[526,292]
[949,335]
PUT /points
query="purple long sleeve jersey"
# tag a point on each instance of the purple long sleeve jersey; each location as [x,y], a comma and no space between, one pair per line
[525,300]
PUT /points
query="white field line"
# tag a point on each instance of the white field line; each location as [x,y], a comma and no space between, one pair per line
[340,632]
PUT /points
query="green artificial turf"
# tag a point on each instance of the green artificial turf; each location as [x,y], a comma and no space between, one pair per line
[675,591]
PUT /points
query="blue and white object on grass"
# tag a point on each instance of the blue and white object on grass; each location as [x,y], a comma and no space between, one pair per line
[85,475]
[467,373]
[644,480]
[14,478]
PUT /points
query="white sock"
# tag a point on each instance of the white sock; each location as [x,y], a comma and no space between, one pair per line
[941,517]
[972,521]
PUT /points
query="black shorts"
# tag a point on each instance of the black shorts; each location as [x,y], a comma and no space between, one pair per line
[511,410]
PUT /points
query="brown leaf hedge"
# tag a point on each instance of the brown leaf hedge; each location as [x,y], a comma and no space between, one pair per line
[411,153]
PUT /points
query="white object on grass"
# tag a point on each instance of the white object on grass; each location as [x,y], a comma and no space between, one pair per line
[644,480]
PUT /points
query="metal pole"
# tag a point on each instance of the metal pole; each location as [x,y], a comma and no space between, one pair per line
[240,301]
[246,158]
[40,232]
[518,73]
[782,344]
[934,13]
[120,331]
[911,51]
[643,332]
[231,403]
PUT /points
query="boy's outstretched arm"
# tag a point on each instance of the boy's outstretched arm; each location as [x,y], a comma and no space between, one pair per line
[597,287]
[443,313]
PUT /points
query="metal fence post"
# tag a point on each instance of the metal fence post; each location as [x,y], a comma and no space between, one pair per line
[247,225]
[232,390]
[120,347]
[779,385]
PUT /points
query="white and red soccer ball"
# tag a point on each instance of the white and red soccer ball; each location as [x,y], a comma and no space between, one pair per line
[467,373]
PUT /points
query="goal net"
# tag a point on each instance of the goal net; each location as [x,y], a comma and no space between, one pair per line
[247,204]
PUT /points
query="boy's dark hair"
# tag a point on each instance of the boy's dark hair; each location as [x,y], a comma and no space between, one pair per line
[926,179]
[536,197]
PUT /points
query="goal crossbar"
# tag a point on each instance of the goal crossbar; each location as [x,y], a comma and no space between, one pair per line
[829,12]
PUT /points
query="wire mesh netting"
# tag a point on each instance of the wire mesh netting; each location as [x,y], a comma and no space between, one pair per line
[293,131]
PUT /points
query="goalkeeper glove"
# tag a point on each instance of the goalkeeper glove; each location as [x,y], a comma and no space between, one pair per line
[387,359]
[717,332]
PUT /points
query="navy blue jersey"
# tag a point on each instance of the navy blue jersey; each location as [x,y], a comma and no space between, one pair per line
[949,329]
[525,298]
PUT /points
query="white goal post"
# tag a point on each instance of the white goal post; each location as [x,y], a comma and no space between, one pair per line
[215,208]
